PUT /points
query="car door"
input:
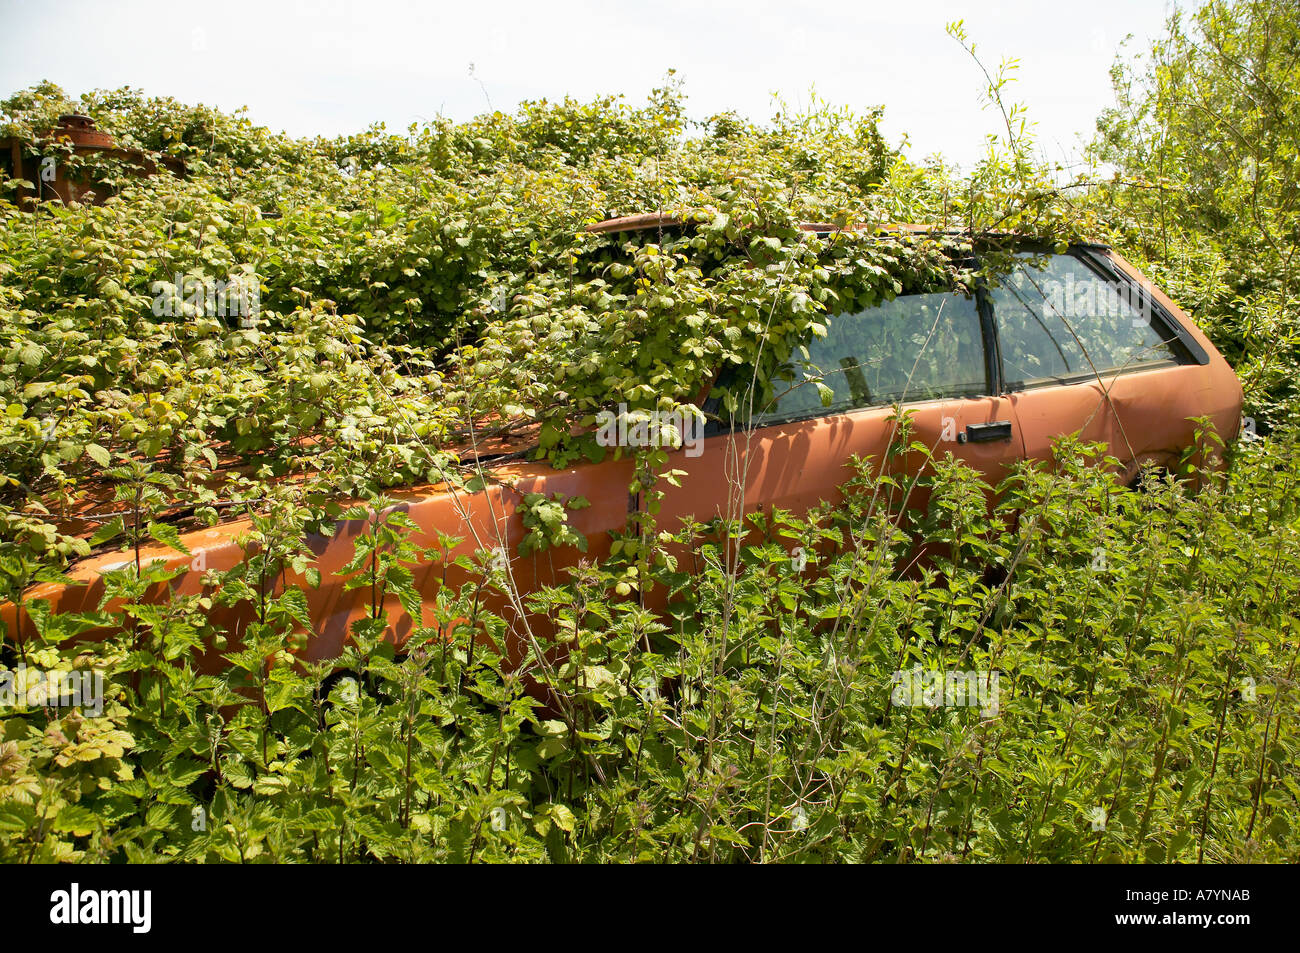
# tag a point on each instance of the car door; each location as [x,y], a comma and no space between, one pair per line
[1084,350]
[928,353]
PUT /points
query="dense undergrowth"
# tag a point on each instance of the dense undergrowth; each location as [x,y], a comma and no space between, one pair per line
[1144,706]
[417,290]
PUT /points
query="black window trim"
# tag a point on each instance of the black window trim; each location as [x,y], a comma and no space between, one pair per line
[1100,262]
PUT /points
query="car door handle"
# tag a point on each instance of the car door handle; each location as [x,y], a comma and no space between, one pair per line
[982,433]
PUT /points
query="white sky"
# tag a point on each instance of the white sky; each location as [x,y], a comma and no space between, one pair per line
[334,66]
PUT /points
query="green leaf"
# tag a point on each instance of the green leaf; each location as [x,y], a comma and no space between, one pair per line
[108,531]
[99,454]
[168,535]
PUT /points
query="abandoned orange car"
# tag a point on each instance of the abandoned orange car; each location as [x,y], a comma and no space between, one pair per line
[1072,342]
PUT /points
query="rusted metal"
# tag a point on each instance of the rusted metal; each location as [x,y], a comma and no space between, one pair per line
[80,131]
[636,223]
[647,221]
[77,132]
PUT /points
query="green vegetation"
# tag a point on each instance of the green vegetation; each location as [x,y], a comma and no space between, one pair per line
[1204,135]
[415,290]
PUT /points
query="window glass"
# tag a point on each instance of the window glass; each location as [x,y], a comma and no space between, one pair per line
[1058,318]
[916,347]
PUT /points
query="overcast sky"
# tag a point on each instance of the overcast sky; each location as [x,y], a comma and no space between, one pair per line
[334,66]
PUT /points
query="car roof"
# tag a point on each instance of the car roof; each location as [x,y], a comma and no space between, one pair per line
[646,221]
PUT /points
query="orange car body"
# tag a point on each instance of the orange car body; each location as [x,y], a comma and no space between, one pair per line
[1144,414]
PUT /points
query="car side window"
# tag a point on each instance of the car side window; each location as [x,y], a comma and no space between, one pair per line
[1058,319]
[915,347]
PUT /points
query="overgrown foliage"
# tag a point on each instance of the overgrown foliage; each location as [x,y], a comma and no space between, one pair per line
[418,294]
[1207,198]
[1145,709]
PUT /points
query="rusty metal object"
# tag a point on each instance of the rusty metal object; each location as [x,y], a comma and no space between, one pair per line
[27,159]
[646,221]
[81,132]
[636,223]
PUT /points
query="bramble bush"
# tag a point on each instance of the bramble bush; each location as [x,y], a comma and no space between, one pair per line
[417,290]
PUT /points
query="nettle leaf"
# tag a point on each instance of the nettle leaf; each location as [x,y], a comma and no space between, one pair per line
[110,530]
[168,535]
